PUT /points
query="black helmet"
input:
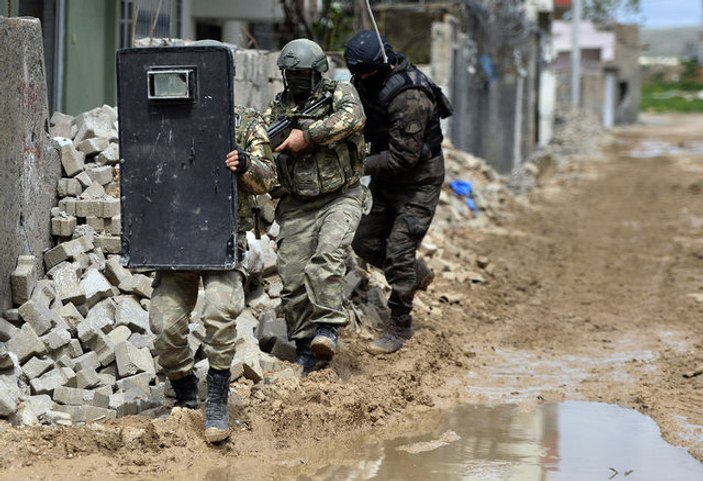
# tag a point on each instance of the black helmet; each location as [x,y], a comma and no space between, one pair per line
[362,53]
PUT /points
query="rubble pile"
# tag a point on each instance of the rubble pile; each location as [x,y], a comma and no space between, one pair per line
[78,346]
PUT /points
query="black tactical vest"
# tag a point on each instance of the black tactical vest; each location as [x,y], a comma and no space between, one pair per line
[404,76]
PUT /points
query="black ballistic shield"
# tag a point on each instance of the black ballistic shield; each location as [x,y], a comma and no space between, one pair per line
[176,121]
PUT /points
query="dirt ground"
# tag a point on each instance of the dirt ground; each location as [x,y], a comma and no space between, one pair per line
[596,293]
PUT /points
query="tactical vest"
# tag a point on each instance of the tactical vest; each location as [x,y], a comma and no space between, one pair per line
[325,168]
[405,76]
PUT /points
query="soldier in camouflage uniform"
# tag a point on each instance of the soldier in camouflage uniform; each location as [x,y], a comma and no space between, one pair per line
[175,292]
[407,171]
[319,166]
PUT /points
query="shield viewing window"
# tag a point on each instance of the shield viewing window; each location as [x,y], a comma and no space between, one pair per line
[171,84]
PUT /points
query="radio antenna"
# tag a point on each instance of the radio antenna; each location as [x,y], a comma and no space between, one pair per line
[378,34]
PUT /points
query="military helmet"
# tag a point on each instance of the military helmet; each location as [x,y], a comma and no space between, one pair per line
[302,54]
[364,53]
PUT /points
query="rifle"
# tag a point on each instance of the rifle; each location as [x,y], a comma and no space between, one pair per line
[280,129]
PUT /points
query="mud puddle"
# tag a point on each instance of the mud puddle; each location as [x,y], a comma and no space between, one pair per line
[574,441]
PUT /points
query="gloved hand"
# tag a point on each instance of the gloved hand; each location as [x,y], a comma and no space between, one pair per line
[374,164]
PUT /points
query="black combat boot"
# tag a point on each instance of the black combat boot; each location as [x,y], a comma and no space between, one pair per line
[216,413]
[394,336]
[324,344]
[424,275]
[186,389]
[305,357]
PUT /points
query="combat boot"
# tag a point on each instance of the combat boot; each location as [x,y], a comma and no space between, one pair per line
[394,336]
[186,389]
[216,413]
[424,275]
[324,344]
[305,357]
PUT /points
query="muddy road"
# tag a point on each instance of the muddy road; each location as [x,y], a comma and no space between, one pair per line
[595,293]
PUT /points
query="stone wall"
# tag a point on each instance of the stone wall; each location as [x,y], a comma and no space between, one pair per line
[29,167]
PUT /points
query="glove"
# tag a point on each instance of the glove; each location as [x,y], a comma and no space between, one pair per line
[244,161]
[376,163]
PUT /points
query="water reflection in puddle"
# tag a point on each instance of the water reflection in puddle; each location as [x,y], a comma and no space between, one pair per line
[573,441]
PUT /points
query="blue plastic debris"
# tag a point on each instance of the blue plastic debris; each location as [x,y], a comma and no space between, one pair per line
[464,188]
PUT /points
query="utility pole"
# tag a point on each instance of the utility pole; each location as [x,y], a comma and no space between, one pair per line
[700,39]
[577,12]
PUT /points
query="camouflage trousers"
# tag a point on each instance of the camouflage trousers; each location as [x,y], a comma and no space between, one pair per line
[174,297]
[313,243]
[388,238]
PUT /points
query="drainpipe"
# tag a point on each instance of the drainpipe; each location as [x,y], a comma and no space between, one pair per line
[519,95]
[60,49]
[576,53]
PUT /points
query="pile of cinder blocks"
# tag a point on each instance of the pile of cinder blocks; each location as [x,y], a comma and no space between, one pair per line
[78,346]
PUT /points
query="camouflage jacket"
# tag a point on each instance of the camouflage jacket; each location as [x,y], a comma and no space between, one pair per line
[334,159]
[405,133]
[250,135]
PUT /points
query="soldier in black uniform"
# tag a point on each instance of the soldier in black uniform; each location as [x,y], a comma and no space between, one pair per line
[406,165]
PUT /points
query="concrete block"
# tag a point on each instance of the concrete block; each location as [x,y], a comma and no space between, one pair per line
[23,279]
[84,179]
[7,359]
[70,396]
[131,360]
[99,122]
[8,403]
[97,223]
[139,284]
[87,414]
[270,328]
[26,344]
[87,378]
[67,251]
[130,314]
[114,272]
[88,208]
[88,361]
[55,211]
[38,315]
[93,146]
[140,382]
[95,286]
[13,316]
[7,330]
[110,207]
[284,349]
[63,225]
[65,276]
[102,315]
[46,383]
[68,205]
[56,418]
[36,366]
[66,361]
[72,160]
[69,187]
[97,341]
[113,226]
[97,260]
[71,316]
[94,191]
[109,156]
[56,338]
[247,356]
[102,174]
[119,334]
[107,379]
[61,125]
[31,409]
[72,350]
[143,340]
[128,404]
[274,288]
[109,244]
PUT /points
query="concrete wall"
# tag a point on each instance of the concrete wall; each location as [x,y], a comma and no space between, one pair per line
[29,167]
[91,43]
[629,87]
